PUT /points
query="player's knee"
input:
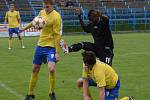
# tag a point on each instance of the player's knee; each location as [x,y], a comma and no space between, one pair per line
[10,38]
[79,82]
[19,37]
[51,69]
[36,69]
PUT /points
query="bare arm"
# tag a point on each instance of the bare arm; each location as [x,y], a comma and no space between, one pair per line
[102,93]
[6,18]
[5,21]
[27,27]
[85,90]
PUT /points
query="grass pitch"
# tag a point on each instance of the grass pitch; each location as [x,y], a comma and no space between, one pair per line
[131,61]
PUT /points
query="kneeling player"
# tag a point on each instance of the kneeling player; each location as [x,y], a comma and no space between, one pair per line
[97,73]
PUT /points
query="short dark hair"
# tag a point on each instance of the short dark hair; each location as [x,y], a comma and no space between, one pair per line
[89,57]
[94,12]
[49,1]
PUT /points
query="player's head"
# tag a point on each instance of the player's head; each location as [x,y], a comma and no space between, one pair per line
[94,15]
[12,6]
[89,58]
[48,5]
[91,15]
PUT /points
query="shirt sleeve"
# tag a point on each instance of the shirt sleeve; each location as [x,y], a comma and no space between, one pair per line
[57,32]
[100,79]
[84,72]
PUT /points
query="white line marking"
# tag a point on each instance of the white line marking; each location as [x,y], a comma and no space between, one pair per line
[10,90]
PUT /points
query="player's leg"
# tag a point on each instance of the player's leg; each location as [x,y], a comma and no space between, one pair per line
[82,45]
[52,80]
[39,58]
[127,98]
[10,30]
[19,37]
[112,94]
[108,56]
[33,81]
[52,73]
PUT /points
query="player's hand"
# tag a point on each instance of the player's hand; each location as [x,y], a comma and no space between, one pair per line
[78,12]
[64,46]
[57,57]
[87,98]
[21,30]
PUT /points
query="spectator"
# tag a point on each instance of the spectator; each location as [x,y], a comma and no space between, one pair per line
[69,3]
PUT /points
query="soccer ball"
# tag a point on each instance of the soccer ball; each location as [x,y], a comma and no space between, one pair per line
[38,22]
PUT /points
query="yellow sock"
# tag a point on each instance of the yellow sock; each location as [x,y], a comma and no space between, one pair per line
[32,83]
[125,98]
[21,42]
[52,82]
[10,43]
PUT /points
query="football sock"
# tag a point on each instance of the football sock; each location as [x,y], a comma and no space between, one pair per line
[52,82]
[21,42]
[125,98]
[10,43]
[32,83]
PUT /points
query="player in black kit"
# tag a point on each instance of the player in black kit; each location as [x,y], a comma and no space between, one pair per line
[98,26]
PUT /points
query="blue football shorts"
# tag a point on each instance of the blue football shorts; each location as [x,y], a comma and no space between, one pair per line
[110,94]
[13,30]
[44,55]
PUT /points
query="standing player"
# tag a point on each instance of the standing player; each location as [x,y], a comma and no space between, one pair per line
[98,26]
[13,18]
[97,73]
[47,49]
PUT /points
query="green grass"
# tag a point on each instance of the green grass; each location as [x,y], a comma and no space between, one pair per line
[131,61]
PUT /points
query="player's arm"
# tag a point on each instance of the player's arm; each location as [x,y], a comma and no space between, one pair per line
[57,34]
[85,89]
[101,83]
[6,18]
[84,27]
[102,93]
[30,24]
[19,18]
[108,44]
[27,26]
[85,82]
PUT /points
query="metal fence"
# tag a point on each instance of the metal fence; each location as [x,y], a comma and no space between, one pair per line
[121,19]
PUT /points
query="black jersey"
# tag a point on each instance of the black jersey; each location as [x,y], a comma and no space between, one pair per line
[100,32]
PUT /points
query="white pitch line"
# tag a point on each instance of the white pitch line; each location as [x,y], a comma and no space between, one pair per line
[10,90]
